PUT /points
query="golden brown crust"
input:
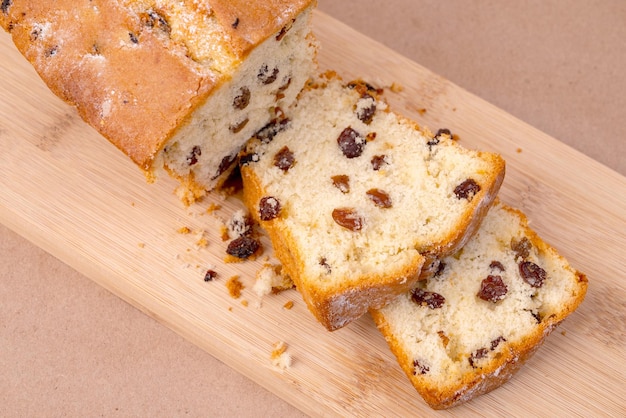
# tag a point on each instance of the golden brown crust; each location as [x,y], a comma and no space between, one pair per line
[250,23]
[124,76]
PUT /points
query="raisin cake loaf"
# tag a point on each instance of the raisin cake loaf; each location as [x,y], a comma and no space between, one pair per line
[470,327]
[355,198]
[180,85]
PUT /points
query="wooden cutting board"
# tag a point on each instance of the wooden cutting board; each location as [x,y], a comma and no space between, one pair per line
[69,191]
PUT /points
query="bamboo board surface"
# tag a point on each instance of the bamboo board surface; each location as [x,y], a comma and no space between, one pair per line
[72,193]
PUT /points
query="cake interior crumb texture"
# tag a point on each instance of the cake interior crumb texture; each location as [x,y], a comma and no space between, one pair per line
[353,230]
[465,345]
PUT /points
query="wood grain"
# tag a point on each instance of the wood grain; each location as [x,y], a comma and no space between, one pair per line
[68,190]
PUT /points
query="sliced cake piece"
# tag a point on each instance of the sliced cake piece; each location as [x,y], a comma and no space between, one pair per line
[469,328]
[356,198]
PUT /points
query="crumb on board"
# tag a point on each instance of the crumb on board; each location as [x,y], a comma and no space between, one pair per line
[244,303]
[234,287]
[183,230]
[421,111]
[270,279]
[210,275]
[213,207]
[396,88]
[280,357]
[202,242]
[224,232]
[519,150]
[288,305]
[141,245]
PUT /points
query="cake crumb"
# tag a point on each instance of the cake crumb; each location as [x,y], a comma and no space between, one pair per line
[141,245]
[213,207]
[288,305]
[270,279]
[563,332]
[210,275]
[202,242]
[396,88]
[183,230]
[519,150]
[224,232]
[280,357]
[421,111]
[244,303]
[234,287]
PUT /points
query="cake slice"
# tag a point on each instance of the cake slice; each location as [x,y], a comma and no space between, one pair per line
[180,85]
[356,199]
[469,328]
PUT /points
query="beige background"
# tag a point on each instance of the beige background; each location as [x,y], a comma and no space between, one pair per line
[68,347]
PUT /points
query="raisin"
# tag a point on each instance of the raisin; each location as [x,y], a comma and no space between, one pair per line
[133,38]
[210,275]
[366,114]
[52,51]
[348,218]
[440,269]
[284,30]
[521,247]
[238,127]
[467,189]
[267,133]
[380,198]
[34,35]
[155,20]
[342,182]
[478,354]
[192,158]
[241,101]
[243,247]
[235,24]
[496,265]
[264,75]
[284,159]
[532,273]
[249,158]
[224,164]
[420,368]
[5,6]
[378,161]
[425,298]
[497,342]
[351,143]
[436,140]
[269,208]
[324,263]
[492,289]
